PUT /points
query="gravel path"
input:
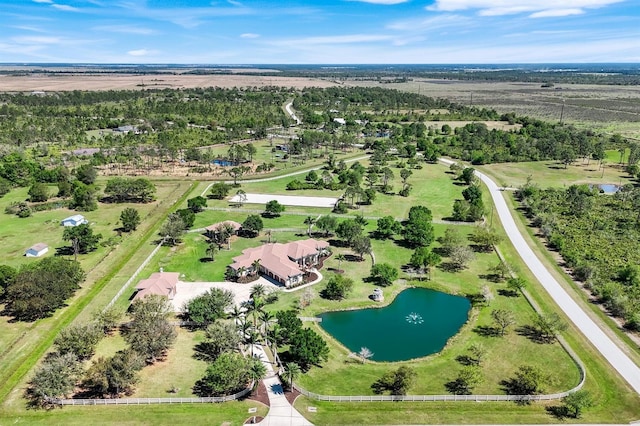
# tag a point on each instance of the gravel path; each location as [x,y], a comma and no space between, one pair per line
[616,357]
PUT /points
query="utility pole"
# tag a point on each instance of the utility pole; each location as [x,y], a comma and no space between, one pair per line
[562,111]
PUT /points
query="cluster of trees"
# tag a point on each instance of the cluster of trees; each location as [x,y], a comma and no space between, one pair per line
[534,140]
[128,190]
[306,347]
[188,117]
[351,231]
[471,207]
[597,236]
[181,220]
[38,289]
[228,370]
[149,335]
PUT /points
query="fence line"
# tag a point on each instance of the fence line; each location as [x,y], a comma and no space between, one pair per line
[135,274]
[151,401]
[426,398]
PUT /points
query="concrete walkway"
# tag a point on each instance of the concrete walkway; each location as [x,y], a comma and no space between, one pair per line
[598,338]
[281,413]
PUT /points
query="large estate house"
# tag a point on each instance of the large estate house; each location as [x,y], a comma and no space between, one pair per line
[285,263]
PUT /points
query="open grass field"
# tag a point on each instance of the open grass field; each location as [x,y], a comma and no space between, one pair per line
[18,234]
[614,109]
[553,174]
[28,342]
[88,81]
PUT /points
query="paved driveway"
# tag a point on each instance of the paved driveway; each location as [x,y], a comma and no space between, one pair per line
[186,291]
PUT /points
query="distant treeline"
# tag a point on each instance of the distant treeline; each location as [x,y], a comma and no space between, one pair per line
[608,74]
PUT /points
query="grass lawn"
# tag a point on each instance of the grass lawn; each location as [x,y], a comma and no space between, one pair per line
[179,369]
[25,343]
[342,375]
[17,234]
[553,174]
[432,187]
[228,413]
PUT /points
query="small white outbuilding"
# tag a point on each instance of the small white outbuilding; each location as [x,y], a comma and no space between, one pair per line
[37,250]
[75,220]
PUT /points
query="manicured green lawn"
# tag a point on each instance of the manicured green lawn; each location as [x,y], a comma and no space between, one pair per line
[342,375]
[228,413]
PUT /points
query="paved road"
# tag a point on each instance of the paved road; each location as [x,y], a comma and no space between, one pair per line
[616,357]
[291,113]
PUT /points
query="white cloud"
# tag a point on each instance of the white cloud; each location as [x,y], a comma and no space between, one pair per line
[554,13]
[430,23]
[142,52]
[43,1]
[125,29]
[36,40]
[28,28]
[385,2]
[538,8]
[341,39]
[249,35]
[65,7]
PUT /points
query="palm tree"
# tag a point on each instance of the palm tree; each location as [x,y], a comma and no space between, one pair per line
[266,318]
[236,313]
[257,371]
[291,372]
[253,337]
[340,257]
[211,250]
[241,196]
[255,266]
[309,221]
[258,290]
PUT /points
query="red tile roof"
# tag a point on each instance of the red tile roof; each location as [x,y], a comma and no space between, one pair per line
[276,257]
[161,283]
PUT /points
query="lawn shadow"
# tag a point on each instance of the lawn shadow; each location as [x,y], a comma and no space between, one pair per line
[507,293]
[486,331]
[560,412]
[532,333]
[205,259]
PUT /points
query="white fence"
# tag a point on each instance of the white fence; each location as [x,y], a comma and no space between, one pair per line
[151,401]
[426,398]
[135,274]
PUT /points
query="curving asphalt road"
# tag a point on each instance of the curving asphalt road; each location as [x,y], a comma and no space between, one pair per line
[616,357]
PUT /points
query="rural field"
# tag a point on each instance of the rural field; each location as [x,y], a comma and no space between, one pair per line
[88,81]
[614,109]
[607,108]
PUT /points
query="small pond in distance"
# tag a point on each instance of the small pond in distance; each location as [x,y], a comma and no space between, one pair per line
[419,322]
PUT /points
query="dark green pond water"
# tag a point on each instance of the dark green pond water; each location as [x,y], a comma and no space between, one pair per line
[419,322]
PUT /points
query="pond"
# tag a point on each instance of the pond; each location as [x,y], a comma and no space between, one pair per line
[609,188]
[418,323]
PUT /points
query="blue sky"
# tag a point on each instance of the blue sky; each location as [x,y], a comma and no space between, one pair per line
[314,32]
